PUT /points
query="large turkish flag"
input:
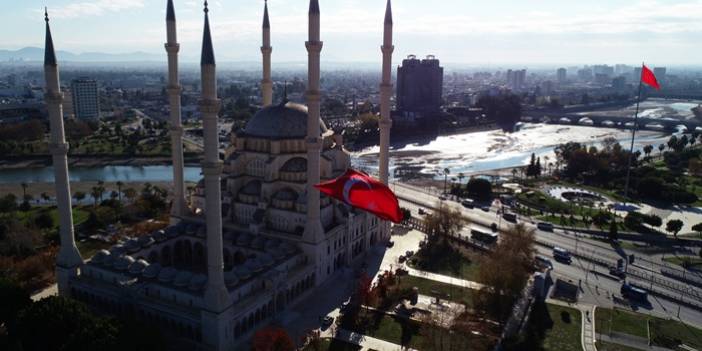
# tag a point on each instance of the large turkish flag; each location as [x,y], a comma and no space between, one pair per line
[365,192]
[649,78]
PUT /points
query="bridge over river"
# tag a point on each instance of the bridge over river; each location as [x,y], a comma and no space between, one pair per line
[619,122]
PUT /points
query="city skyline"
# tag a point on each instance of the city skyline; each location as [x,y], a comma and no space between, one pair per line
[501,32]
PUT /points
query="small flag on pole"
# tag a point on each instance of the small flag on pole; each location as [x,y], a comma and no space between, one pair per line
[649,78]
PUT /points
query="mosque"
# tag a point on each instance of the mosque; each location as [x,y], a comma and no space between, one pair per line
[256,237]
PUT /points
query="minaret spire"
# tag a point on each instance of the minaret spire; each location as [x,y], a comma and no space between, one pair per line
[217,299]
[69,259]
[385,93]
[179,207]
[266,50]
[314,233]
[385,122]
[49,53]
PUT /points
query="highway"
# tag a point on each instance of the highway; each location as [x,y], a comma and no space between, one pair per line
[590,265]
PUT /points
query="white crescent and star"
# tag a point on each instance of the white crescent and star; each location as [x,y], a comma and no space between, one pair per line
[350,183]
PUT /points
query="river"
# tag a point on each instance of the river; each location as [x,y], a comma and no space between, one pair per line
[469,153]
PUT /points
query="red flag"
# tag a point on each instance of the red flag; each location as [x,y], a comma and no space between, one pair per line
[649,78]
[363,191]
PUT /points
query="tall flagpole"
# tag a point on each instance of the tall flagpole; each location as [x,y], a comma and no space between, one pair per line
[633,134]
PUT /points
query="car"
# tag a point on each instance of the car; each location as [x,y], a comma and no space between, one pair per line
[468,204]
[442,197]
[543,260]
[545,226]
[485,208]
[511,217]
[421,211]
[390,243]
[562,255]
[327,321]
[617,272]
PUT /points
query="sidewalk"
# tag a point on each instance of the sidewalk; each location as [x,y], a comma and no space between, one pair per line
[367,342]
[629,343]
[444,279]
[587,332]
[51,290]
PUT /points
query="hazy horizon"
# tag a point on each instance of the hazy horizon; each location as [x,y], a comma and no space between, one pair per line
[495,34]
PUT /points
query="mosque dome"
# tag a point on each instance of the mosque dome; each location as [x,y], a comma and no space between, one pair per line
[286,120]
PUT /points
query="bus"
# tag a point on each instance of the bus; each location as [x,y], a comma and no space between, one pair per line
[634,293]
[561,255]
[483,235]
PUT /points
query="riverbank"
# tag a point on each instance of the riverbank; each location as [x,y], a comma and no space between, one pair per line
[8,163]
[36,189]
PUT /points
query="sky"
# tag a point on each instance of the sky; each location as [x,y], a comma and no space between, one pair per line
[520,32]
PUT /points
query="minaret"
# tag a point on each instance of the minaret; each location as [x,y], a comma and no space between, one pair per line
[266,50]
[216,294]
[172,47]
[69,259]
[385,92]
[313,229]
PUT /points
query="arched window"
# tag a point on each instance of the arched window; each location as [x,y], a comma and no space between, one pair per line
[256,168]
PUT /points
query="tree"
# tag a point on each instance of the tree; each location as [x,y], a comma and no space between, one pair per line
[14,300]
[79,196]
[130,194]
[661,147]
[504,109]
[698,228]
[479,188]
[272,339]
[45,197]
[119,189]
[96,194]
[613,233]
[443,222]
[674,226]
[24,189]
[44,220]
[8,203]
[503,286]
[446,173]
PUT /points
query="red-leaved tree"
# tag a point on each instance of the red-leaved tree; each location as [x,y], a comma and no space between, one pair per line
[272,339]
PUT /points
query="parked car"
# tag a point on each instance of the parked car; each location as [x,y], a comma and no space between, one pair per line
[421,211]
[468,204]
[543,260]
[545,226]
[485,208]
[510,217]
[442,197]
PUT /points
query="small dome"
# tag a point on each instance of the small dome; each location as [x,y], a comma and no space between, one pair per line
[197,282]
[286,120]
[297,164]
[123,262]
[138,267]
[146,241]
[100,256]
[152,271]
[253,265]
[167,275]
[132,246]
[242,272]
[230,278]
[182,279]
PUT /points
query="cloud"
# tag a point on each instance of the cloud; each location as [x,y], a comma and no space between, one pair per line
[94,8]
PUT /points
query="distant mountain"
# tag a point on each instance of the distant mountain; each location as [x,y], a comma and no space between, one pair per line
[37,54]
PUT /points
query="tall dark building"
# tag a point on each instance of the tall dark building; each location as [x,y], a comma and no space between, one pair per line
[419,86]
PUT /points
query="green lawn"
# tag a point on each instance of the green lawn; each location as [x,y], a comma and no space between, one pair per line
[450,262]
[565,331]
[426,286]
[679,260]
[670,333]
[617,320]
[550,328]
[607,346]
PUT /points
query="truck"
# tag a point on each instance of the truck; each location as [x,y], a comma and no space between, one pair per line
[634,293]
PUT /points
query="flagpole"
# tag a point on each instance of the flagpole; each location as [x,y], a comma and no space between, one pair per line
[633,135]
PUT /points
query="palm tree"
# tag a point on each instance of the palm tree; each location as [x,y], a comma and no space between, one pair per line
[446,173]
[24,189]
[130,193]
[100,189]
[546,158]
[119,189]
[79,196]
[45,197]
[96,194]
[661,147]
[461,176]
